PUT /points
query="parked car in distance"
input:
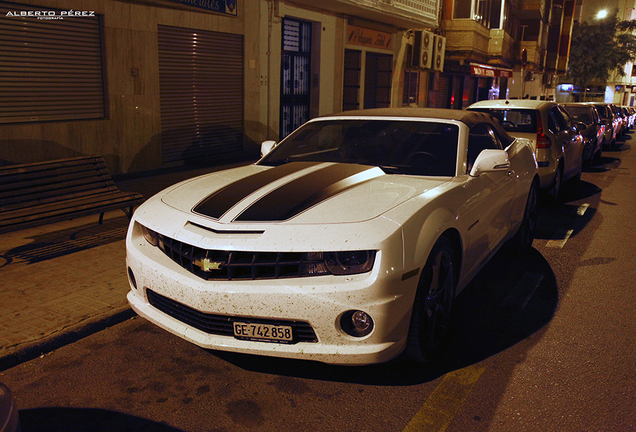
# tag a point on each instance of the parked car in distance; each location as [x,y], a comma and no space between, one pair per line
[346,243]
[589,124]
[630,114]
[621,125]
[609,120]
[557,143]
[9,421]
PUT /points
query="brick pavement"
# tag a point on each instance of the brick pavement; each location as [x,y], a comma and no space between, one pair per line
[63,281]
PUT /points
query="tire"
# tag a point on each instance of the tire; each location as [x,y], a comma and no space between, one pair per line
[555,190]
[525,235]
[432,305]
[596,159]
[577,177]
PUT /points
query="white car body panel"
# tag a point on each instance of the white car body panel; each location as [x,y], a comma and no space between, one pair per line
[399,216]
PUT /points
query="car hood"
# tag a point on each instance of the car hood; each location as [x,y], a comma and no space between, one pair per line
[297,192]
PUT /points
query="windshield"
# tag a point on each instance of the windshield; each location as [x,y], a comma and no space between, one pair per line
[603,111]
[396,146]
[580,114]
[514,120]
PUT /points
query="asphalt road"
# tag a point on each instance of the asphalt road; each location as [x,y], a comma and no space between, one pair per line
[544,341]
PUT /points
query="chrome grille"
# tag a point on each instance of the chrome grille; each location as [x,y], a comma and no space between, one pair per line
[223,324]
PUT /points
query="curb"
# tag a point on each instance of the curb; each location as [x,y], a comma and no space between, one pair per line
[31,350]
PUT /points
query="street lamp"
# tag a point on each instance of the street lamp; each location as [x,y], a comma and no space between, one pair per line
[601,14]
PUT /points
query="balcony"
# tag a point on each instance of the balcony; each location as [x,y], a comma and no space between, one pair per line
[399,13]
[467,40]
[535,55]
[501,48]
[531,9]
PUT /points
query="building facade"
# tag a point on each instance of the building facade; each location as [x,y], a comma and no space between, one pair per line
[620,89]
[155,83]
[499,49]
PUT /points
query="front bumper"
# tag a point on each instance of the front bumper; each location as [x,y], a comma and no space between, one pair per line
[318,301]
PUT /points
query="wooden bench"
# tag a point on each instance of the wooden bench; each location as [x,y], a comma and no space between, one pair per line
[45,192]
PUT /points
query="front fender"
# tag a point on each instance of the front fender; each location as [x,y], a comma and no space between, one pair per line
[523,163]
[431,214]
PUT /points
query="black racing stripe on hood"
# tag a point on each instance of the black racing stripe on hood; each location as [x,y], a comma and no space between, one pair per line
[304,192]
[219,202]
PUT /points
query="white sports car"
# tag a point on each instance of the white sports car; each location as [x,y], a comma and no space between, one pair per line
[346,243]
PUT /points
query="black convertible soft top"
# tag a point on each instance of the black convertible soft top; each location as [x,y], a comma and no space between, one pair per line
[470,118]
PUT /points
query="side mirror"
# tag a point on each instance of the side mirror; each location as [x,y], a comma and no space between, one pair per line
[581,126]
[490,161]
[267,146]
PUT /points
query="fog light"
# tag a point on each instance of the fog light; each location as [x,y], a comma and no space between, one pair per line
[356,323]
[361,321]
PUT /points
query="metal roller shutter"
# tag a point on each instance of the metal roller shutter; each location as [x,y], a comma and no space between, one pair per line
[442,98]
[50,69]
[201,89]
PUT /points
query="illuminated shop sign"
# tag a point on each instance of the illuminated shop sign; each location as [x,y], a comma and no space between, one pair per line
[369,38]
[489,71]
[222,6]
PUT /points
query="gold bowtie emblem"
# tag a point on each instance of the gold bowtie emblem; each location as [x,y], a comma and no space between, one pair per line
[207,265]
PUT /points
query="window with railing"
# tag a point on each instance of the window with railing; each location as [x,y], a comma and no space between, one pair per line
[486,12]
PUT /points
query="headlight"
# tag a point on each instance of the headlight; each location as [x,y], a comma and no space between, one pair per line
[350,262]
[338,263]
[150,236]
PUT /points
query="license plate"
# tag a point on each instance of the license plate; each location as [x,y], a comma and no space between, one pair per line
[267,332]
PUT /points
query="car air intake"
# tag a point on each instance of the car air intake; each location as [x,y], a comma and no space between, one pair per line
[223,324]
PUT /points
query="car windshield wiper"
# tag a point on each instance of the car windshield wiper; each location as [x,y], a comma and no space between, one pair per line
[277,162]
[389,169]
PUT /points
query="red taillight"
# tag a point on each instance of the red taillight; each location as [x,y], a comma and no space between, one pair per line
[543,141]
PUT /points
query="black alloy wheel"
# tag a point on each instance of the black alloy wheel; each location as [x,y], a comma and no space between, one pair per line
[556,184]
[525,235]
[433,301]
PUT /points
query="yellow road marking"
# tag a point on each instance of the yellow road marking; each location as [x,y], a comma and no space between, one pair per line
[523,291]
[560,238]
[580,211]
[447,399]
[563,235]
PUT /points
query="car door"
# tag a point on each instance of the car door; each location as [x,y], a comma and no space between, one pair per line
[489,199]
[569,139]
[575,147]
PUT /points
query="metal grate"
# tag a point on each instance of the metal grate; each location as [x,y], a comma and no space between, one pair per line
[232,265]
[202,94]
[223,324]
[428,8]
[51,67]
[351,85]
[295,75]
[377,81]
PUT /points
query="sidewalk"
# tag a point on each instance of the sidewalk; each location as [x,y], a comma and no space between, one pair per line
[64,281]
